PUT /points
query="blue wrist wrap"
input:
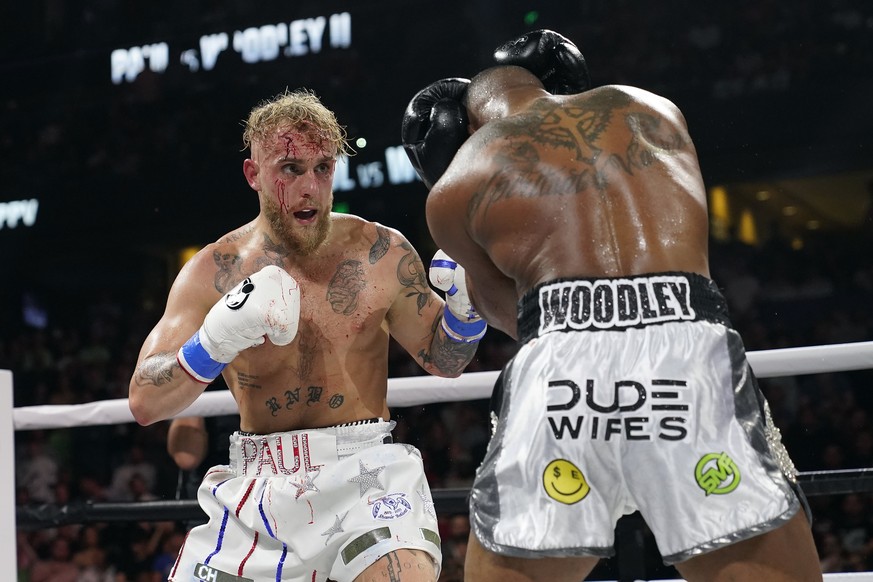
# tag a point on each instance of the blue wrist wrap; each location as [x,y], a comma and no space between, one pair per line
[462,331]
[195,360]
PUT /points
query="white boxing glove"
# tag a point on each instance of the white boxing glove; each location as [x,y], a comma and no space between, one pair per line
[267,304]
[460,321]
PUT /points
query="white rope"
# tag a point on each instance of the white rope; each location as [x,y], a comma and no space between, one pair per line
[411,391]
[420,390]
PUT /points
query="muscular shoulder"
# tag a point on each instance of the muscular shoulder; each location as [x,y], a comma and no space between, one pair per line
[382,252]
[216,268]
[233,257]
[373,241]
[625,98]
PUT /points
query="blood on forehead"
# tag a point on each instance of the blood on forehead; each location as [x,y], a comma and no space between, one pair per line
[301,141]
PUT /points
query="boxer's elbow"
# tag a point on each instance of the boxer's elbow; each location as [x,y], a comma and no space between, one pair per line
[451,373]
[145,406]
[142,413]
[445,369]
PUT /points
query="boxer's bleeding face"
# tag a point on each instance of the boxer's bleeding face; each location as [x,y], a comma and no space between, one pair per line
[295,177]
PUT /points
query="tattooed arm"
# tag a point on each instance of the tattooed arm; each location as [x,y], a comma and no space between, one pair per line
[414,317]
[159,388]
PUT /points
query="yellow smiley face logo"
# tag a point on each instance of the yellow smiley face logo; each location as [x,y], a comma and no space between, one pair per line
[564,482]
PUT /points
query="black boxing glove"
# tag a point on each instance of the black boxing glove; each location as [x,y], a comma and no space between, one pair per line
[434,127]
[551,57]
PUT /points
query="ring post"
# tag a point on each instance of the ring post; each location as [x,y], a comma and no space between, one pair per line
[8,549]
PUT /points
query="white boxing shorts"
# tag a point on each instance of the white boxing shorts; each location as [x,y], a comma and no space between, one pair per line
[629,395]
[308,506]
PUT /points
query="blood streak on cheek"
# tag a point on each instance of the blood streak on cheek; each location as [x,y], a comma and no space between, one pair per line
[280,197]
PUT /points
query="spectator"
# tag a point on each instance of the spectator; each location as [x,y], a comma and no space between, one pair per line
[58,566]
[37,471]
[135,464]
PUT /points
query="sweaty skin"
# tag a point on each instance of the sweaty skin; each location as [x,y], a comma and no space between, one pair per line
[600,184]
[359,282]
[604,183]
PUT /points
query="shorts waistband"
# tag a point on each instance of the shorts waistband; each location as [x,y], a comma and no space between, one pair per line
[352,423]
[595,304]
[305,450]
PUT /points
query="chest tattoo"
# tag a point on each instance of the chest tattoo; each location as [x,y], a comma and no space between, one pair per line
[344,287]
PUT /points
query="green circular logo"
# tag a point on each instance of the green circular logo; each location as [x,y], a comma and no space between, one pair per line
[716,473]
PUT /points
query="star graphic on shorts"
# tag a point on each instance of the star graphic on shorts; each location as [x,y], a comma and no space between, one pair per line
[428,502]
[368,478]
[410,449]
[306,485]
[336,528]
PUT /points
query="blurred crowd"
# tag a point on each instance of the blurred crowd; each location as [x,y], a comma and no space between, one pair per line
[104,138]
[779,297]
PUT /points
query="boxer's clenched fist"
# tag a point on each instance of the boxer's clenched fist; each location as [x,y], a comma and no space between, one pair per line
[264,305]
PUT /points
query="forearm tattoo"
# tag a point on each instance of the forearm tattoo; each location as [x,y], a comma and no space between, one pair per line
[410,273]
[157,370]
[447,355]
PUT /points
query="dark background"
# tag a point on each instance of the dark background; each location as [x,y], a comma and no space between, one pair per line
[777,96]
[127,174]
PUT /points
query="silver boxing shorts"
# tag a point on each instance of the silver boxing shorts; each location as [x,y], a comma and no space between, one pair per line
[308,506]
[629,395]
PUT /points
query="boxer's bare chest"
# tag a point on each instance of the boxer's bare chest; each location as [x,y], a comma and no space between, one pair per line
[344,301]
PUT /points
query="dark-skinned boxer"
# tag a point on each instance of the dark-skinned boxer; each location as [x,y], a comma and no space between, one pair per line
[579,214]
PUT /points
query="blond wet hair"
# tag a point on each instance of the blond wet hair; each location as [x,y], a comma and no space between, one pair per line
[301,109]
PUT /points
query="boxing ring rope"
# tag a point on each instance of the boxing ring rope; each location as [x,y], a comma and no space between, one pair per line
[420,390]
[402,392]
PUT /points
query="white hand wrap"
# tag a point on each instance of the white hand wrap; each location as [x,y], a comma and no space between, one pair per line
[460,321]
[265,304]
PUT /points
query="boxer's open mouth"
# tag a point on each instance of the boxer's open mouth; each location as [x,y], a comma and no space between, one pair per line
[305,214]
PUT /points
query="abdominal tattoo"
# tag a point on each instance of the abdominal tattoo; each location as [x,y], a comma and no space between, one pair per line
[157,370]
[308,339]
[301,397]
